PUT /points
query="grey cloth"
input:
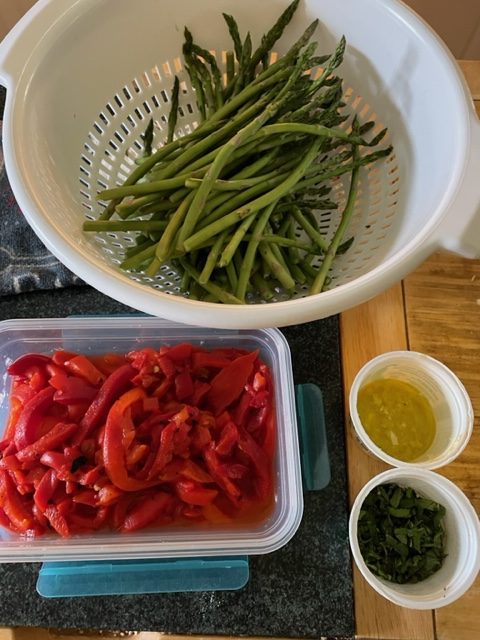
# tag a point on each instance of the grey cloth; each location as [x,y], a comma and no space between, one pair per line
[25,263]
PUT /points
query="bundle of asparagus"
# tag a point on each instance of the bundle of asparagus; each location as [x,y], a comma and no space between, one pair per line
[225,203]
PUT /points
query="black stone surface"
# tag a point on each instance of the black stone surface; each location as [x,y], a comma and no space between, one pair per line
[304,590]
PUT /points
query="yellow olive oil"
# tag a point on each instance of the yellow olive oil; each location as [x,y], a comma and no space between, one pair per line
[397,417]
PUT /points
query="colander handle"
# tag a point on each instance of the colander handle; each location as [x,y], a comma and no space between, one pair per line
[19,43]
[460,231]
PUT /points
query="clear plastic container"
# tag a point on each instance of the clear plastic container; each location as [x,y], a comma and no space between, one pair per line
[122,334]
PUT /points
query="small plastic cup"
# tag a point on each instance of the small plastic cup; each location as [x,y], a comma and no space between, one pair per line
[462,563]
[448,397]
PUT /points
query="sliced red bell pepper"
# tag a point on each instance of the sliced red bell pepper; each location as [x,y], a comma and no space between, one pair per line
[57,521]
[234,470]
[194,493]
[107,363]
[200,390]
[194,471]
[101,517]
[78,523]
[45,489]
[167,366]
[55,371]
[111,389]
[12,504]
[70,487]
[15,411]
[183,385]
[120,508]
[39,517]
[228,439]
[145,512]
[35,475]
[230,381]
[90,477]
[179,352]
[22,391]
[200,438]
[163,388]
[5,522]
[81,366]
[209,360]
[171,472]
[108,495]
[261,463]
[72,390]
[165,450]
[10,463]
[214,467]
[113,449]
[87,497]
[60,357]
[59,462]
[22,364]
[29,420]
[135,453]
[37,378]
[57,435]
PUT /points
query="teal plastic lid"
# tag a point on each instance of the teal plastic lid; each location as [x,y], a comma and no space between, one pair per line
[70,579]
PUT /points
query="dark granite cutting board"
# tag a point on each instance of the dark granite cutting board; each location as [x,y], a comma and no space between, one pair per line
[304,590]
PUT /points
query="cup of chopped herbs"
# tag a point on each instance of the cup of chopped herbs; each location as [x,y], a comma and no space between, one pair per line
[415,538]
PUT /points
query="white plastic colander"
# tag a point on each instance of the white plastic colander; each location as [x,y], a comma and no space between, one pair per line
[84,76]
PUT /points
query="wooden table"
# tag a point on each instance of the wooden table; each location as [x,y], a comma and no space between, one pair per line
[435,310]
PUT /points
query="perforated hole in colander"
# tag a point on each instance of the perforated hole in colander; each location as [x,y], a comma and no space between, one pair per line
[113,145]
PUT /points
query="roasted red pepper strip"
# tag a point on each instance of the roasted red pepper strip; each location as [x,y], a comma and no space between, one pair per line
[29,420]
[194,471]
[87,496]
[56,436]
[229,382]
[45,489]
[113,449]
[113,386]
[57,521]
[146,512]
[12,504]
[108,495]
[215,468]
[108,362]
[183,385]
[194,493]
[165,450]
[205,359]
[179,352]
[83,367]
[57,461]
[228,439]
[22,364]
[261,463]
[72,390]
[60,357]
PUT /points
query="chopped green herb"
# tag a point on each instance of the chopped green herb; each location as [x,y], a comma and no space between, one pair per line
[401,534]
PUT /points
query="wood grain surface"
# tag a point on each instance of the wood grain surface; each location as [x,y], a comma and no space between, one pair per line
[436,310]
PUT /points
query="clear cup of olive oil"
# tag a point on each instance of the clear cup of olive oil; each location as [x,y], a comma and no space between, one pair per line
[409,409]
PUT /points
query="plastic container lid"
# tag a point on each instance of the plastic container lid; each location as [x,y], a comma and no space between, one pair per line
[448,398]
